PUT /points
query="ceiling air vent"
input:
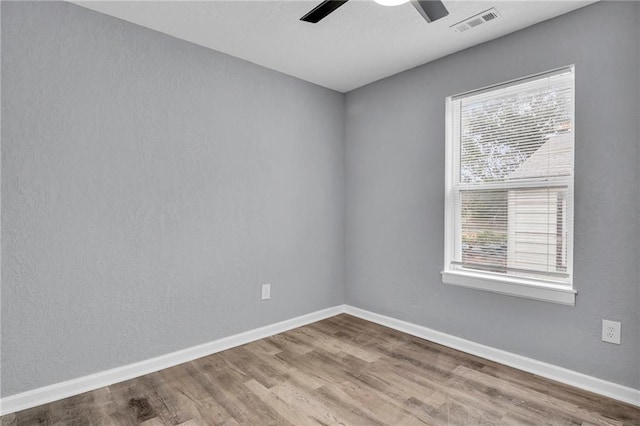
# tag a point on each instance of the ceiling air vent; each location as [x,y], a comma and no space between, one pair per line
[474,21]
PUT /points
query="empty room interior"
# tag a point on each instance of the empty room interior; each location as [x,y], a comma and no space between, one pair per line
[320,212]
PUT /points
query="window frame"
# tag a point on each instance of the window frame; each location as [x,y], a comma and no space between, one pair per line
[537,289]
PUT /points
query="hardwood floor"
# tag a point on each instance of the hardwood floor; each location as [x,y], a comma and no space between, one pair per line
[340,371]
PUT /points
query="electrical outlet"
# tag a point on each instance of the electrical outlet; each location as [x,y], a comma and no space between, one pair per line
[611,331]
[266,291]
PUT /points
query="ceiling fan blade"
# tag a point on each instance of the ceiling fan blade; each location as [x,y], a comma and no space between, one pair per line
[322,10]
[431,10]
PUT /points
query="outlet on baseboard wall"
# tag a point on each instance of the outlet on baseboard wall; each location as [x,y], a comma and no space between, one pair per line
[266,291]
[611,331]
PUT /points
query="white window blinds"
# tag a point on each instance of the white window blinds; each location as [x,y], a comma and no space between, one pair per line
[512,181]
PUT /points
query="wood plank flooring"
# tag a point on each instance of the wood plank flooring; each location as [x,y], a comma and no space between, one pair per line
[340,371]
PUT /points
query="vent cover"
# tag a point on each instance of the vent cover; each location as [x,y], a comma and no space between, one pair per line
[474,21]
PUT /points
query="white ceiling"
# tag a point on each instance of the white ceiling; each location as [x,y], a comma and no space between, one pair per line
[359,43]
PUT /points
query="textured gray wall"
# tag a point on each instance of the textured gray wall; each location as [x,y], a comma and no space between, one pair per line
[395,195]
[638,183]
[149,187]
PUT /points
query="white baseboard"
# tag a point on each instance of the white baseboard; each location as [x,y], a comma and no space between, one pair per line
[550,371]
[58,391]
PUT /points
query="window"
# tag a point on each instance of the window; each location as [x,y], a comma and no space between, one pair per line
[509,188]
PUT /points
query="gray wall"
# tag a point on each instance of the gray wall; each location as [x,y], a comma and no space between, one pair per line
[395,195]
[149,187]
[638,181]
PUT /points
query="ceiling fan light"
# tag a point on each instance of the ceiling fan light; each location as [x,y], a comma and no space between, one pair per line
[390,2]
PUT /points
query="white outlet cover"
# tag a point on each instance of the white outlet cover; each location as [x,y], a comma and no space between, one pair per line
[611,331]
[266,291]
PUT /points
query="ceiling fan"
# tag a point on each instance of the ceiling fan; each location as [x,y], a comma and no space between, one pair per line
[431,10]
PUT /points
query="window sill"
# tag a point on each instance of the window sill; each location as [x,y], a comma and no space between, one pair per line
[528,289]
